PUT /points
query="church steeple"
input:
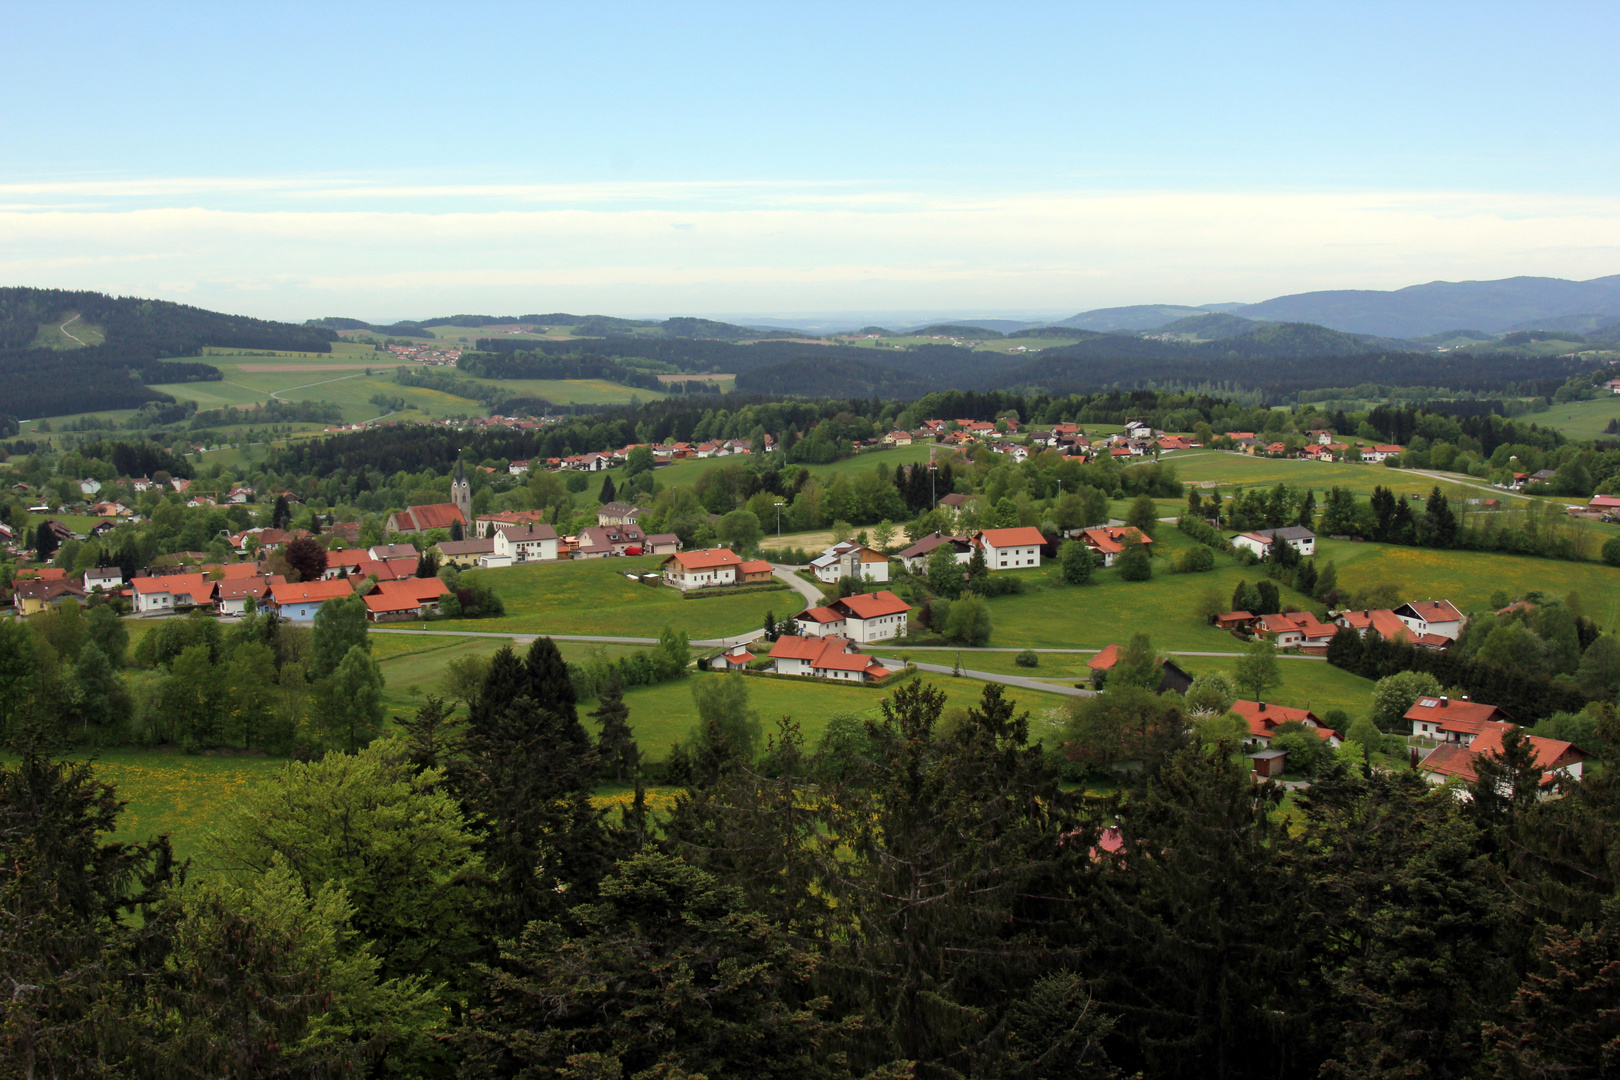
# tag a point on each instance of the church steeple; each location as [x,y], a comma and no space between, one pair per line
[461,494]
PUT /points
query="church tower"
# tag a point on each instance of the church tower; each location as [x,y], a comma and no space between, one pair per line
[461,495]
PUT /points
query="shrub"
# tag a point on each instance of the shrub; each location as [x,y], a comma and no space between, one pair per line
[1195,560]
[1078,562]
[1611,551]
[1135,562]
[1028,658]
[969,621]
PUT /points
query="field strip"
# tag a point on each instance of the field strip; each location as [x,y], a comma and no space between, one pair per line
[260,369]
[304,386]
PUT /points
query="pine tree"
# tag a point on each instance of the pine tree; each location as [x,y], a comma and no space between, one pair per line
[432,736]
[1307,510]
[771,632]
[608,493]
[44,542]
[281,514]
[616,746]
[456,531]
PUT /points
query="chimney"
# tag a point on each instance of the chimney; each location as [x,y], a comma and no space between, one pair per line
[1444,701]
[1262,706]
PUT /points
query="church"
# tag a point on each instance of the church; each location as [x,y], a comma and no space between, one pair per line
[421,519]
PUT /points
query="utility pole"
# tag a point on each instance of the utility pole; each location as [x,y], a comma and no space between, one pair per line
[779,504]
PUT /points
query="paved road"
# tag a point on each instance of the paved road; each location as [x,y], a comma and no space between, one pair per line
[1009,680]
[811,594]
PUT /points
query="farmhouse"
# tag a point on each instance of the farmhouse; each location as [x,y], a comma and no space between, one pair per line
[1559,761]
[408,598]
[484,526]
[1297,537]
[32,597]
[465,552]
[1005,549]
[1109,540]
[825,658]
[1446,720]
[1439,618]
[1264,718]
[705,569]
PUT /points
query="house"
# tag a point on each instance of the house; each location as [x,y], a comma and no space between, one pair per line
[820,622]
[89,487]
[954,500]
[239,495]
[1109,540]
[1264,718]
[300,602]
[871,617]
[618,513]
[1432,617]
[517,468]
[825,658]
[1379,453]
[161,595]
[1296,629]
[1389,626]
[105,578]
[32,597]
[754,571]
[1006,549]
[735,658]
[487,524]
[1259,542]
[407,598]
[599,541]
[387,552]
[233,594]
[660,544]
[705,569]
[342,563]
[1175,442]
[1603,502]
[421,519]
[1320,436]
[1446,720]
[897,438]
[514,544]
[465,552]
[1172,677]
[1234,620]
[851,560]
[1559,761]
[915,558]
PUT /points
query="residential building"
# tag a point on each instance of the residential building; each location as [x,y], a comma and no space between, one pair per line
[32,597]
[818,622]
[825,658]
[1559,761]
[1264,718]
[1007,549]
[1439,618]
[160,595]
[1172,677]
[1259,541]
[465,553]
[486,525]
[1109,540]
[515,544]
[705,569]
[232,594]
[660,544]
[850,560]
[915,558]
[755,571]
[1389,626]
[1295,630]
[872,617]
[1445,719]
[1379,453]
[408,598]
[105,578]
[389,552]
[618,513]
[299,602]
[600,541]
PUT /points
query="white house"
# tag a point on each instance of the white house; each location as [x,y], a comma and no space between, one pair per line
[1006,549]
[1259,541]
[686,570]
[852,560]
[156,595]
[522,544]
[517,468]
[818,622]
[105,578]
[233,593]
[1438,617]
[915,558]
[875,616]
[825,658]
[1378,453]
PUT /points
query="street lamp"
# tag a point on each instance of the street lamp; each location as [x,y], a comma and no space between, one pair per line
[779,504]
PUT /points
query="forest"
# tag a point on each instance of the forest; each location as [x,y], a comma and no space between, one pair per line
[914,895]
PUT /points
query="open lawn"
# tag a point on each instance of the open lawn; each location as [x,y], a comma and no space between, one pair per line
[592,596]
[179,794]
[665,714]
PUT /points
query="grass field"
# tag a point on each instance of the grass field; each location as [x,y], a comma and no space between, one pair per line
[594,597]
[1581,419]
[1230,469]
[69,332]
[179,794]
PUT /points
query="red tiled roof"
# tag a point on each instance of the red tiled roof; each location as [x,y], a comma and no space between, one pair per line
[1105,660]
[1434,610]
[871,605]
[756,566]
[1263,717]
[706,559]
[418,588]
[310,591]
[792,647]
[1382,620]
[821,615]
[433,516]
[1027,536]
[1445,711]
[1111,539]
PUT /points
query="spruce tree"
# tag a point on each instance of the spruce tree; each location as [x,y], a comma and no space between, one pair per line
[608,493]
[616,746]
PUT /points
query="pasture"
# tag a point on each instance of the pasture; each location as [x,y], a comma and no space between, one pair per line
[1229,469]
[1581,419]
[592,596]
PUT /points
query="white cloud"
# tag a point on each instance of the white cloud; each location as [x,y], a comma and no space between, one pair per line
[742,247]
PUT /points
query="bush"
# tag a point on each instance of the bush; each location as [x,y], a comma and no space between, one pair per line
[1077,562]
[969,621]
[1203,532]
[1195,560]
[1611,551]
[1028,658]
[997,585]
[1135,562]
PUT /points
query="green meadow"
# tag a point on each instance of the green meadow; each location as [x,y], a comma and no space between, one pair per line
[1581,419]
[593,596]
[1230,469]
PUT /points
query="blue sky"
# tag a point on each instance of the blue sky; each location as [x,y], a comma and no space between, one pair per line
[405,160]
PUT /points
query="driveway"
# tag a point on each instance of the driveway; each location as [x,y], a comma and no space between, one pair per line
[811,594]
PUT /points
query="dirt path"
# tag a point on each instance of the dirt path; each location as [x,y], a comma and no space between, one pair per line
[64,329]
[304,386]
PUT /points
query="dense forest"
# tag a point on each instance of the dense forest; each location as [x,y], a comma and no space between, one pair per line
[138,334]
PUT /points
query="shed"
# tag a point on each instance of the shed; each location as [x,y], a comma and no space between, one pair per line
[1268,763]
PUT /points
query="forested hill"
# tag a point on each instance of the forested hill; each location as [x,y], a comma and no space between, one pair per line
[130,336]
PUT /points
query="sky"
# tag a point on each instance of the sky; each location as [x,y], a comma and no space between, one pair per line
[408,160]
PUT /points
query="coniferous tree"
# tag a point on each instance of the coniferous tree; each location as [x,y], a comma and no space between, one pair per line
[607,494]
[432,735]
[1307,510]
[616,746]
[456,530]
[44,542]
[281,514]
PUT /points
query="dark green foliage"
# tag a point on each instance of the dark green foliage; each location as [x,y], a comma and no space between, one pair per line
[1028,658]
[1135,562]
[1269,598]
[1076,562]
[1195,560]
[1611,551]
[616,745]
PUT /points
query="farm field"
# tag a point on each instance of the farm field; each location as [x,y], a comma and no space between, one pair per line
[594,597]
[687,472]
[1232,469]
